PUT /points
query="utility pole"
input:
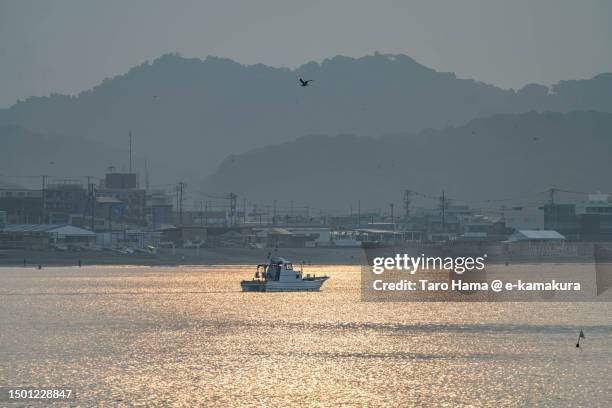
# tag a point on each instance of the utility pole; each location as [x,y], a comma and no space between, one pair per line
[88,202]
[359,213]
[244,210]
[201,213]
[181,185]
[206,213]
[110,222]
[553,209]
[177,201]
[44,201]
[392,218]
[407,202]
[551,193]
[443,208]
[274,213]
[93,207]
[232,199]
[147,185]
[91,203]
[130,136]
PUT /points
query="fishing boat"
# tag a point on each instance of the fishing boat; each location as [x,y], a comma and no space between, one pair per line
[279,276]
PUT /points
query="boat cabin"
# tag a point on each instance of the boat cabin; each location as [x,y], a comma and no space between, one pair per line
[279,269]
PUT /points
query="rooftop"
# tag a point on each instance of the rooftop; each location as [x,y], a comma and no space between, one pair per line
[60,230]
[532,235]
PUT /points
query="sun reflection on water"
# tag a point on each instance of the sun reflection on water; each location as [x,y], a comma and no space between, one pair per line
[189,337]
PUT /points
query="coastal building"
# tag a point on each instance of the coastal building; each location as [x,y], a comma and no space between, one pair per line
[181,235]
[321,236]
[369,234]
[562,217]
[595,218]
[44,236]
[120,180]
[214,217]
[22,206]
[124,188]
[158,207]
[61,200]
[439,226]
[278,237]
[134,239]
[110,209]
[588,220]
[524,218]
[536,236]
[59,203]
[481,227]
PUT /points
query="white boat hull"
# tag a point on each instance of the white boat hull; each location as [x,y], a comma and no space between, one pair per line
[306,285]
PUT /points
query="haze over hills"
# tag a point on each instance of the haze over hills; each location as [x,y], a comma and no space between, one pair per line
[186,115]
[506,155]
[26,155]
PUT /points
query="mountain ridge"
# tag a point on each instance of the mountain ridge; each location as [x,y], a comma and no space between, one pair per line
[186,114]
[504,155]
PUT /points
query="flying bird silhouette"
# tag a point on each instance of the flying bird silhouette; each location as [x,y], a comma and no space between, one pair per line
[305,83]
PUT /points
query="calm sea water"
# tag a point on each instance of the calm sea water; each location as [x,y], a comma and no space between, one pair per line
[139,336]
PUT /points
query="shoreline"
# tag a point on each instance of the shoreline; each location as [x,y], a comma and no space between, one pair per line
[237,256]
[182,256]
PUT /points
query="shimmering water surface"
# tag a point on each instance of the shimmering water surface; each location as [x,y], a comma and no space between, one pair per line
[140,336]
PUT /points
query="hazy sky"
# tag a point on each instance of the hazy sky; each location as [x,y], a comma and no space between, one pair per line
[68,46]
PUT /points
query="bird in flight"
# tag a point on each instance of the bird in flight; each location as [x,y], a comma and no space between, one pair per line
[305,83]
